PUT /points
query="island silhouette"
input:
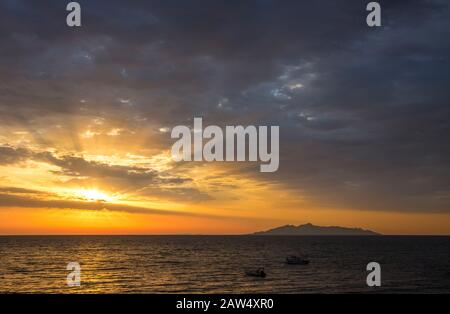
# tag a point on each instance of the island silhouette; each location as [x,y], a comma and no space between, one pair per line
[312,230]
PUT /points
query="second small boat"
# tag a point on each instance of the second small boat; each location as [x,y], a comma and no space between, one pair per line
[296,260]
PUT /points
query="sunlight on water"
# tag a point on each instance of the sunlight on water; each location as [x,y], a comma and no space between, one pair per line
[160,264]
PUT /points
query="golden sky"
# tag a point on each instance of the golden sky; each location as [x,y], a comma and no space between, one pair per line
[86,115]
[112,187]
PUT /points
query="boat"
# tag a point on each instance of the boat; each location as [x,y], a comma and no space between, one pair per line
[296,260]
[256,273]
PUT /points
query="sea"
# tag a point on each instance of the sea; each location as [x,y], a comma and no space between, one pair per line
[218,264]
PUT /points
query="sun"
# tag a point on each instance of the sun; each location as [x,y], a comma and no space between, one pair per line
[93,195]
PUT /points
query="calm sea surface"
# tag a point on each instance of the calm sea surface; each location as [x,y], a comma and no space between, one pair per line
[217,264]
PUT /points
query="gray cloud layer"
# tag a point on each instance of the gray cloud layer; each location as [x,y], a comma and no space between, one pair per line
[364,113]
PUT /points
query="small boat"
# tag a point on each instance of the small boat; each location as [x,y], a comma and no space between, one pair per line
[256,273]
[296,260]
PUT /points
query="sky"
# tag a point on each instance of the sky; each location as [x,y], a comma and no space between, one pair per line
[86,115]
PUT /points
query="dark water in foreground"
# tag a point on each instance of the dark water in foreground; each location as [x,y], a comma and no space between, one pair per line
[216,264]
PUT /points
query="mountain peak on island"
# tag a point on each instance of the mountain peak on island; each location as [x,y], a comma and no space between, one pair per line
[310,229]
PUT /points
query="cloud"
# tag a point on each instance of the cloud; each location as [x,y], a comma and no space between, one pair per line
[78,166]
[176,193]
[369,127]
[21,201]
[142,181]
[16,190]
[10,155]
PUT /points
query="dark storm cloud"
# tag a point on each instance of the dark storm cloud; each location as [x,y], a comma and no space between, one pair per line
[364,112]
